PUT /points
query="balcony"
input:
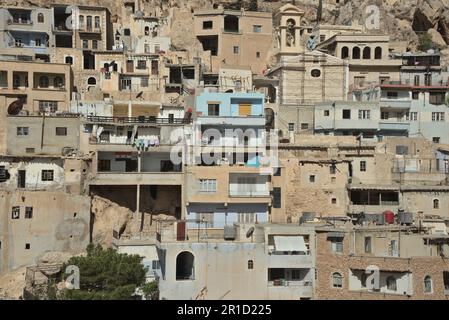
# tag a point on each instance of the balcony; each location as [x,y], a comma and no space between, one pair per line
[132,178]
[396,104]
[289,290]
[20,21]
[394,125]
[88,29]
[139,120]
[234,121]
[289,261]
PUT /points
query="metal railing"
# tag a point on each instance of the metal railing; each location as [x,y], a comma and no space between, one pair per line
[137,120]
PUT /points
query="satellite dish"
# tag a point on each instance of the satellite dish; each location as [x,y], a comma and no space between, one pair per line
[250,232]
[15,107]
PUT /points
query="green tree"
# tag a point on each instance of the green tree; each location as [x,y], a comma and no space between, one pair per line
[151,290]
[425,42]
[106,274]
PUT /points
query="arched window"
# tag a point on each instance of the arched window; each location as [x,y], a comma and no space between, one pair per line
[436,204]
[92,81]
[147,30]
[185,266]
[427,284]
[356,53]
[391,284]
[378,53]
[367,53]
[40,18]
[69,60]
[250,264]
[316,73]
[43,82]
[58,82]
[337,280]
[345,53]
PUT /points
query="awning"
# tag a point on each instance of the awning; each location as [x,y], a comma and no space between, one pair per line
[290,243]
[335,235]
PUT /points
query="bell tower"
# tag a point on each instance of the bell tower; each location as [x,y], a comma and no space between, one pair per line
[288,21]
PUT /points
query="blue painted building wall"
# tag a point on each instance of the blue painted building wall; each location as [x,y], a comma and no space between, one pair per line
[229,103]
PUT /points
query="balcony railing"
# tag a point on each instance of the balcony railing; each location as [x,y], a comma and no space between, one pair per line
[137,120]
[249,194]
[20,21]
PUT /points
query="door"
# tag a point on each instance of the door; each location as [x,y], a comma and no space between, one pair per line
[154,67]
[131,165]
[130,66]
[21,182]
[181,231]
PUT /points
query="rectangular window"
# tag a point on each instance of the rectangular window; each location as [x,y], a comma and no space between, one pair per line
[416,80]
[257,54]
[322,37]
[85,44]
[15,213]
[277,172]
[367,244]
[37,42]
[401,150]
[384,115]
[436,139]
[437,116]
[236,49]
[277,193]
[97,22]
[246,217]
[384,80]
[346,114]
[312,178]
[304,126]
[291,127]
[95,44]
[208,25]
[257,28]
[208,185]
[155,265]
[213,110]
[22,131]
[337,245]
[104,165]
[436,98]
[144,82]
[141,64]
[362,166]
[48,106]
[415,95]
[61,131]
[47,175]
[364,114]
[392,95]
[326,113]
[411,116]
[428,79]
[28,212]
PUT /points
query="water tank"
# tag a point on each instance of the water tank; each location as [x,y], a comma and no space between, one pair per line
[405,218]
[230,232]
[306,217]
[389,217]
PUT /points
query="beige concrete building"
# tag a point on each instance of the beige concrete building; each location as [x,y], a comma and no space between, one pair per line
[410,265]
[368,57]
[242,38]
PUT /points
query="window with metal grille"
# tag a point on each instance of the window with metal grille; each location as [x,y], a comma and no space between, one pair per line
[22,131]
[15,213]
[61,131]
[208,185]
[47,175]
[337,280]
[48,106]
